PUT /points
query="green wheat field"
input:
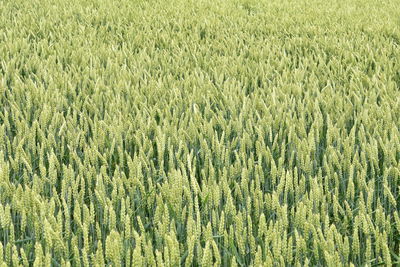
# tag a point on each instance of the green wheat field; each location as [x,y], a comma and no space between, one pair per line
[199,133]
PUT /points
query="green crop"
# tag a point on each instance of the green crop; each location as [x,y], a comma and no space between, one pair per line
[199,133]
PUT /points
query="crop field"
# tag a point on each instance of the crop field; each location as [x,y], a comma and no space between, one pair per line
[199,133]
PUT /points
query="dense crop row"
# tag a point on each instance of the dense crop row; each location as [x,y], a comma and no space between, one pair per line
[199,133]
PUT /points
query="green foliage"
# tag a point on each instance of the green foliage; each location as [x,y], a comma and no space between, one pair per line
[199,133]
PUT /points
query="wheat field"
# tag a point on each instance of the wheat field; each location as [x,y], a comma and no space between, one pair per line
[199,133]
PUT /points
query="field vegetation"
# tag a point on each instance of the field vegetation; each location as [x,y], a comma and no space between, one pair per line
[199,133]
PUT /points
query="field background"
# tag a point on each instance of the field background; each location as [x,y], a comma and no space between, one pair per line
[199,133]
